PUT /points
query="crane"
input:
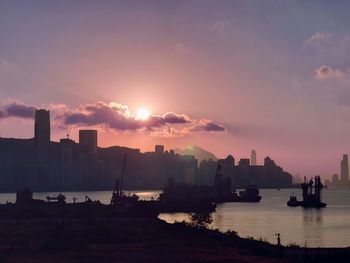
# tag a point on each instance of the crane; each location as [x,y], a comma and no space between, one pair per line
[68,132]
[118,186]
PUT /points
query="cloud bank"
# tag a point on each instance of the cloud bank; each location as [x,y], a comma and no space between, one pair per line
[115,117]
[16,109]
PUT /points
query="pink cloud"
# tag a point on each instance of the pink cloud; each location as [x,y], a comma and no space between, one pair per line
[326,72]
[114,117]
[318,38]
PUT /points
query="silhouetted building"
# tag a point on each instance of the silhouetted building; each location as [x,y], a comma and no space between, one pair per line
[335,180]
[244,162]
[243,174]
[67,151]
[42,127]
[88,141]
[253,160]
[159,149]
[344,169]
[43,165]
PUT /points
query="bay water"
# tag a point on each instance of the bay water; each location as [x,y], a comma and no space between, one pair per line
[327,227]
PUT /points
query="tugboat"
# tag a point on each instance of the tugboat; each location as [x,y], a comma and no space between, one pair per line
[310,199]
[225,194]
[293,201]
[250,194]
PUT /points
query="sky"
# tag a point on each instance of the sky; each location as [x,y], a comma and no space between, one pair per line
[229,76]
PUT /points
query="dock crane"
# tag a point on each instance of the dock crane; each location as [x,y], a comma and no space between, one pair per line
[118,186]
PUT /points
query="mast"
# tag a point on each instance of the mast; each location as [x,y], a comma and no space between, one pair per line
[122,177]
[118,186]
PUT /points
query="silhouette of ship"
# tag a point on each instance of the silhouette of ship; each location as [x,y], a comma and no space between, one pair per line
[185,198]
[205,196]
[310,198]
[223,192]
[165,203]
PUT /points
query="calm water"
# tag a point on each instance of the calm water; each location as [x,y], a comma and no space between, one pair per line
[328,227]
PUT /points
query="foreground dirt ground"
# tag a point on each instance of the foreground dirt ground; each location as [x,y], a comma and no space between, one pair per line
[128,240]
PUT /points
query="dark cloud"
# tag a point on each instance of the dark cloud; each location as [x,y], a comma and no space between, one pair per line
[167,118]
[115,116]
[208,125]
[16,109]
[118,117]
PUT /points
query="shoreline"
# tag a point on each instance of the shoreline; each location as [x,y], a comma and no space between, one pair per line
[148,239]
[132,190]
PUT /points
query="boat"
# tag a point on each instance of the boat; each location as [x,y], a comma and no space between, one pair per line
[185,198]
[224,193]
[311,194]
[293,201]
[250,194]
[131,203]
[178,197]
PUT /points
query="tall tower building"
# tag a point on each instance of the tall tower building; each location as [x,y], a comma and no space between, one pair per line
[88,141]
[344,169]
[42,127]
[159,149]
[253,158]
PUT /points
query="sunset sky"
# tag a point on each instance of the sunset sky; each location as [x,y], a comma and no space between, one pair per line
[229,76]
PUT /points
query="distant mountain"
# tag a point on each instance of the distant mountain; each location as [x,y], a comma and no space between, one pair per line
[198,152]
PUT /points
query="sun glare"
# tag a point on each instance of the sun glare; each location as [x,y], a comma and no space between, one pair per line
[143,114]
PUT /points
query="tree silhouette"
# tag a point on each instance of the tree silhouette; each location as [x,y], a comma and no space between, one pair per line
[201,219]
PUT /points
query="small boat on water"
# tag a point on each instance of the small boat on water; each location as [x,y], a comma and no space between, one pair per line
[293,201]
[250,194]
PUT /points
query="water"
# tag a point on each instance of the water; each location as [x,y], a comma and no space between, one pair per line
[328,227]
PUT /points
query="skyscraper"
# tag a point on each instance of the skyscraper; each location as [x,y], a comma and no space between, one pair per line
[159,149]
[253,158]
[344,169]
[88,141]
[42,127]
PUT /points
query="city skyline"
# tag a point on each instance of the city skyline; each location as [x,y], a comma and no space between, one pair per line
[44,165]
[88,141]
[286,97]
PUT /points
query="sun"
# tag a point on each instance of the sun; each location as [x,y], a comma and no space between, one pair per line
[143,114]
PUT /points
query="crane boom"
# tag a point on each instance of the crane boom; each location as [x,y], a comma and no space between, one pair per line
[118,186]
